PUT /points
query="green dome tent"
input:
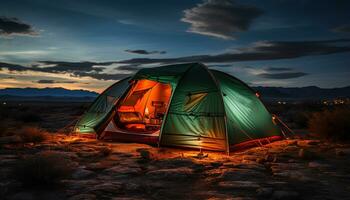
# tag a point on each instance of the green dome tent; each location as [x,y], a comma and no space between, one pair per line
[185,105]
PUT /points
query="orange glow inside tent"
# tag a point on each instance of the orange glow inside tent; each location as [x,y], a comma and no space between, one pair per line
[144,106]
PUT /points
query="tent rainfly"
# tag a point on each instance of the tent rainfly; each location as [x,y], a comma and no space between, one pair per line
[183,105]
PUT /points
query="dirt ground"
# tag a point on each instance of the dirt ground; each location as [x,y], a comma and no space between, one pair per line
[288,169]
[296,168]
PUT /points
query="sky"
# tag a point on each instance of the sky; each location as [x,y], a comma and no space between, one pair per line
[86,44]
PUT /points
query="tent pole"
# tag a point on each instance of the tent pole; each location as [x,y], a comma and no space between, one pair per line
[223,105]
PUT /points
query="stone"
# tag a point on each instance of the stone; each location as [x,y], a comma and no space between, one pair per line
[171,174]
[174,162]
[240,174]
[296,175]
[285,195]
[238,184]
[118,170]
[107,188]
[62,154]
[318,165]
[82,173]
[88,154]
[83,197]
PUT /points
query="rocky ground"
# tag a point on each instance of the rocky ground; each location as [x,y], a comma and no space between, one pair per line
[288,169]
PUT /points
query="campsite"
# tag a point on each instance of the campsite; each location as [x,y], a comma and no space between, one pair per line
[42,136]
[174,100]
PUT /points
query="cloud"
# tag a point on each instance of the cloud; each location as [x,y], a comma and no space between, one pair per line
[285,75]
[342,29]
[13,26]
[263,50]
[220,18]
[75,69]
[279,69]
[24,53]
[53,81]
[144,52]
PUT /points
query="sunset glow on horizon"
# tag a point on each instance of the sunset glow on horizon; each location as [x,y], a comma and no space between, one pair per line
[92,44]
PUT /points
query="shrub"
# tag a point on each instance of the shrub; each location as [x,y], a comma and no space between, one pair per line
[331,124]
[42,170]
[32,134]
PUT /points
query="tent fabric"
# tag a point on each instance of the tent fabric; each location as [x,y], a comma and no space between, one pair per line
[202,108]
[101,108]
[247,117]
[201,125]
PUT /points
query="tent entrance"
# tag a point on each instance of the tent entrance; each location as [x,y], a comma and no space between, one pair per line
[143,108]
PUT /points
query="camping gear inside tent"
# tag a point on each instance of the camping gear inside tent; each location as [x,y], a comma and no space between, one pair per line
[184,105]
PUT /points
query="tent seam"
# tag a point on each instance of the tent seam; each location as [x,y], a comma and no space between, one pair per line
[223,104]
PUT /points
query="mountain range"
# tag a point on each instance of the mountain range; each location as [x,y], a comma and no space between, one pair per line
[267,93]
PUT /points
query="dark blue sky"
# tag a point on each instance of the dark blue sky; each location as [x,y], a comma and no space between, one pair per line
[91,44]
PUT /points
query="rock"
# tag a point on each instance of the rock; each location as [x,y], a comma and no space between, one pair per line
[240,174]
[122,170]
[174,162]
[342,151]
[238,184]
[98,166]
[10,139]
[285,195]
[107,188]
[264,192]
[82,173]
[296,175]
[80,185]
[83,197]
[171,174]
[88,154]
[318,165]
[132,187]
[65,154]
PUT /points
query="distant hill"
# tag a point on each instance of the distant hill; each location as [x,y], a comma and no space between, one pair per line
[46,94]
[53,92]
[267,93]
[302,93]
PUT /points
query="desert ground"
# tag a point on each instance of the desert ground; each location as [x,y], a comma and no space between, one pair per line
[40,160]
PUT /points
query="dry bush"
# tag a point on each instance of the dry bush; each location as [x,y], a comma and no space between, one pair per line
[331,124]
[44,170]
[32,134]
